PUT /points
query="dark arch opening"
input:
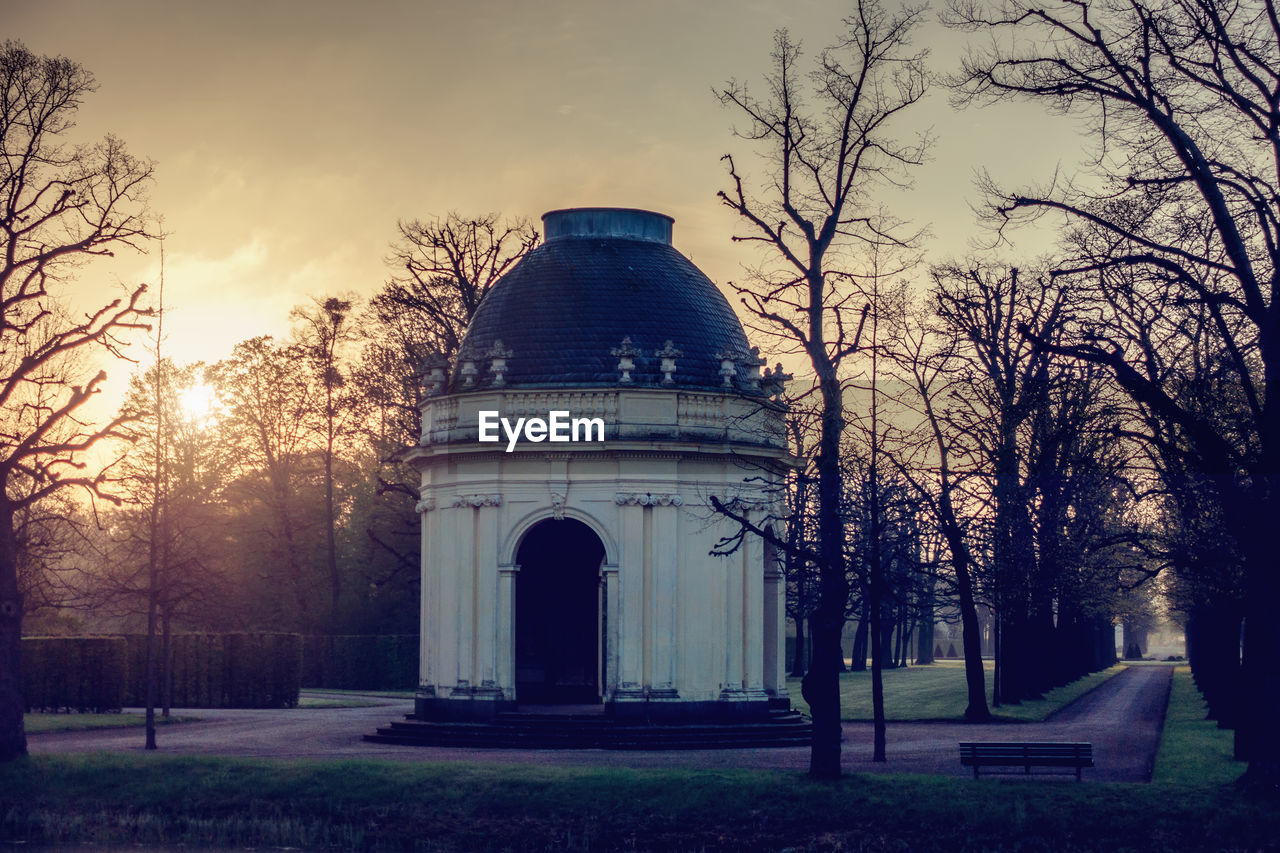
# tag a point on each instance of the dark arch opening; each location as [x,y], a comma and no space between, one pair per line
[558,614]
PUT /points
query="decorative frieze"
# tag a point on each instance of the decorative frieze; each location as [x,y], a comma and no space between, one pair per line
[477,500]
[584,404]
[742,505]
[646,499]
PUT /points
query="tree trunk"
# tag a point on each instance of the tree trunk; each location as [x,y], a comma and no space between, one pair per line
[876,605]
[283,496]
[924,623]
[166,652]
[1135,641]
[877,663]
[858,661]
[797,658]
[970,630]
[152,654]
[1041,662]
[821,689]
[1013,644]
[1258,735]
[997,660]
[331,522]
[821,686]
[13,739]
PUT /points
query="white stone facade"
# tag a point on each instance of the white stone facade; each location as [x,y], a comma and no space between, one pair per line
[680,634]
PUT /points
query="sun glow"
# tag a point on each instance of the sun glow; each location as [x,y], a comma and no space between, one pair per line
[199,402]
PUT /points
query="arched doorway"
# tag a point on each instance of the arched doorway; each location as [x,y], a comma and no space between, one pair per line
[558,614]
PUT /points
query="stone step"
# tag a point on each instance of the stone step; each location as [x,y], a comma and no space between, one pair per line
[532,731]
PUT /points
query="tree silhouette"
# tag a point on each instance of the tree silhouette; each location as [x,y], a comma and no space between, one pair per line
[323,333]
[59,206]
[1176,236]
[441,270]
[811,220]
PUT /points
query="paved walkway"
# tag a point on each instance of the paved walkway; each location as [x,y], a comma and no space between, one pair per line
[1122,718]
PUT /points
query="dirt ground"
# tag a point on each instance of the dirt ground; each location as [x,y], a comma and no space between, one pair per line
[1122,718]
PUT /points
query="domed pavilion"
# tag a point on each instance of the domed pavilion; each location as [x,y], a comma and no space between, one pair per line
[571,563]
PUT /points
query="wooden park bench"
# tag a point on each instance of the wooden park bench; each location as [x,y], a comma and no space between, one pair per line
[1026,755]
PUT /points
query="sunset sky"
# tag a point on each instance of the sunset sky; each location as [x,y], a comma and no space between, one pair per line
[290,137]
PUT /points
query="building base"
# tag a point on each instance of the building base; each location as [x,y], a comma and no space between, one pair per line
[543,730]
[479,706]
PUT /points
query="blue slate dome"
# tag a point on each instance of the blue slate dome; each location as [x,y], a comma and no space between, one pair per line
[602,275]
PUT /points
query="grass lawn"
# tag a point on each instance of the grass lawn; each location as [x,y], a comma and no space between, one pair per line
[378,694]
[1193,751]
[155,800]
[42,723]
[938,692]
[322,701]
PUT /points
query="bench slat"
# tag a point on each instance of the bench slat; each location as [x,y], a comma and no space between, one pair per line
[1028,754]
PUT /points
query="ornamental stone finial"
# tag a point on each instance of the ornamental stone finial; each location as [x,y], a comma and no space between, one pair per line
[752,364]
[468,373]
[728,365]
[668,354]
[498,356]
[433,379]
[626,354]
[773,384]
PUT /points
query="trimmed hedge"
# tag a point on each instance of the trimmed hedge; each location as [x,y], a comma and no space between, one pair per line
[84,674]
[99,674]
[360,661]
[223,670]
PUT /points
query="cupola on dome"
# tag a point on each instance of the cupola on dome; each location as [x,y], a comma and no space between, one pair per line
[606,284]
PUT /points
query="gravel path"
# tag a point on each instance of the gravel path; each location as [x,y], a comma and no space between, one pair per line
[1122,718]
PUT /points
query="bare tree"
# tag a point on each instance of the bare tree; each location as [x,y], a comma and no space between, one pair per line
[59,205]
[271,418]
[812,219]
[323,333]
[442,269]
[1180,213]
[927,365]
